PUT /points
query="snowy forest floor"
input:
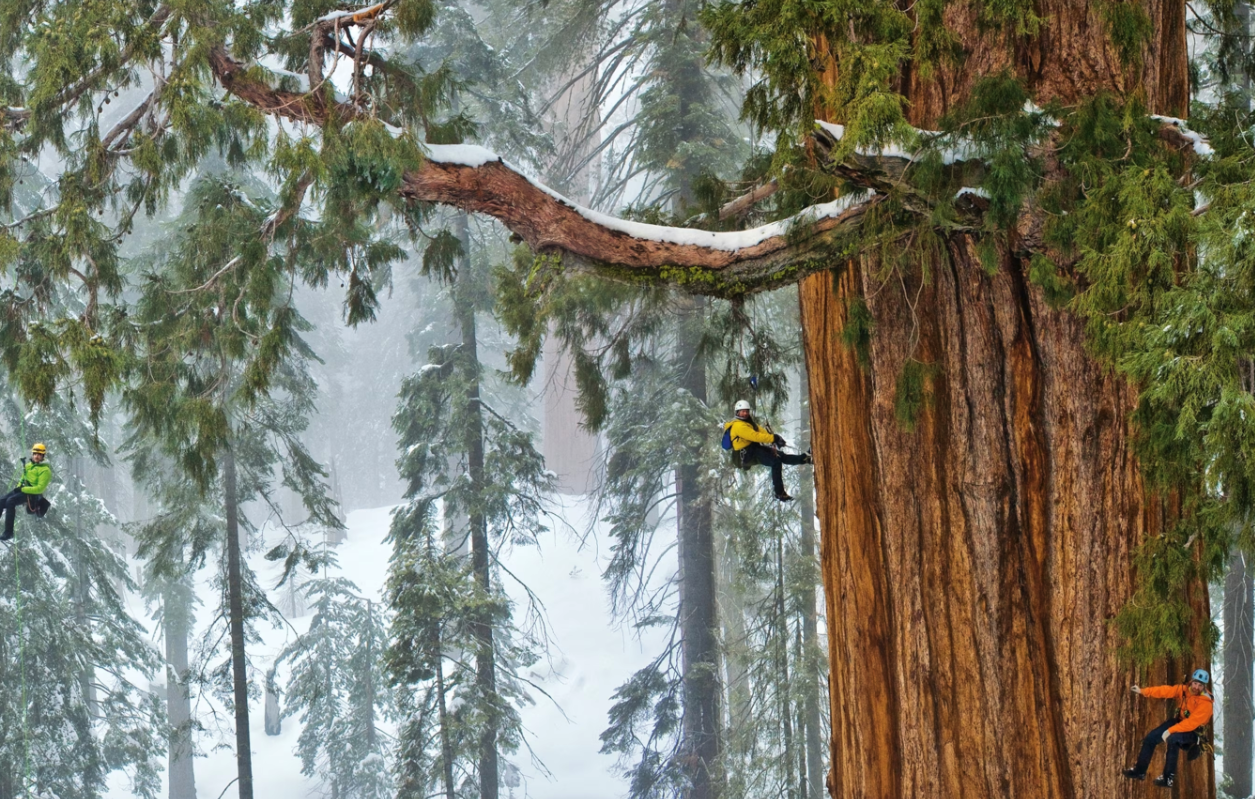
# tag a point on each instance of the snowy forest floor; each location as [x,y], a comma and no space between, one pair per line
[589,658]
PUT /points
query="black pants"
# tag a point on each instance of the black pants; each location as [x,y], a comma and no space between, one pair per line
[1176,742]
[767,456]
[11,502]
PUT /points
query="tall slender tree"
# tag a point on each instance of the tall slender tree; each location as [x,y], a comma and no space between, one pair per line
[337,687]
[452,635]
[219,342]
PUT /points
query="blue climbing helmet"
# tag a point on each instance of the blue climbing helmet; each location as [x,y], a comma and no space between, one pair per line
[1201,675]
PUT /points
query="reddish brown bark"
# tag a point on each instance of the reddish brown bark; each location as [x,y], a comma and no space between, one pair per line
[1071,58]
[973,566]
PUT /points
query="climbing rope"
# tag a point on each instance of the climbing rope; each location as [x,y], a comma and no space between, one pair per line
[21,638]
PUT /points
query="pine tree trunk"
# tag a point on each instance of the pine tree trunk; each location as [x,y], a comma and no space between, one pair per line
[784,687]
[732,617]
[83,594]
[808,669]
[700,745]
[177,621]
[1238,695]
[235,590]
[1239,707]
[369,709]
[972,567]
[446,746]
[485,656]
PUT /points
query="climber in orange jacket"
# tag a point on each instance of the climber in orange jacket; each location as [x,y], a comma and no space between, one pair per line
[1180,732]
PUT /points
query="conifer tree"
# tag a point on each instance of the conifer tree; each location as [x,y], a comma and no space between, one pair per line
[223,398]
[338,688]
[458,449]
[75,705]
[681,136]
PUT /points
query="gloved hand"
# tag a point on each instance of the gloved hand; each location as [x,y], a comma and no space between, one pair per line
[1165,736]
[1136,690]
[779,439]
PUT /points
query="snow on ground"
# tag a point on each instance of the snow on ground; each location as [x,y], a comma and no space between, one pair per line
[589,658]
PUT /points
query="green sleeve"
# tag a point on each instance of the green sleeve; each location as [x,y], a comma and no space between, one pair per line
[42,478]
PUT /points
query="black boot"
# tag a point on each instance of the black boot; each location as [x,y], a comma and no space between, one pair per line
[1134,774]
[783,496]
[1163,782]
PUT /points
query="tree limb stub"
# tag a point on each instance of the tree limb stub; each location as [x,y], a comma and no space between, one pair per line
[745,202]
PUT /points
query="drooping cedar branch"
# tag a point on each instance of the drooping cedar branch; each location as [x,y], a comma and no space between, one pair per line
[15,119]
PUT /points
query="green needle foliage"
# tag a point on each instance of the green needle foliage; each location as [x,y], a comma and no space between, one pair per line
[338,688]
[75,707]
[1145,240]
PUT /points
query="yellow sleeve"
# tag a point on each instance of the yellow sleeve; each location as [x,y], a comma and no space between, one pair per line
[746,432]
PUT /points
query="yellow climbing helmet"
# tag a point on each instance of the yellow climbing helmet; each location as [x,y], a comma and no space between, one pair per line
[39,449]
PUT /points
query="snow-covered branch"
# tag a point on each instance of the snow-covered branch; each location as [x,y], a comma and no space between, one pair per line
[477,180]
[702,262]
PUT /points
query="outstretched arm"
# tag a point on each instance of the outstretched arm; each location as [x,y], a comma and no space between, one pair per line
[1162,692]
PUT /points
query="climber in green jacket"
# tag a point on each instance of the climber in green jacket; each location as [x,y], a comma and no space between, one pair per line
[36,475]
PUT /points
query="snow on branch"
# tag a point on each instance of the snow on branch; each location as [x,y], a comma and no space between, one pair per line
[702,262]
[962,149]
[357,16]
[477,180]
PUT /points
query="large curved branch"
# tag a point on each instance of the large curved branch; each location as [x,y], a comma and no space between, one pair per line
[473,179]
[720,264]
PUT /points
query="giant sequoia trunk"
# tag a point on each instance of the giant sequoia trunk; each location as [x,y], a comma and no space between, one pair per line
[973,566]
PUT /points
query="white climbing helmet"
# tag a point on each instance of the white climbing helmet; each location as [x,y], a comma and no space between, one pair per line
[741,405]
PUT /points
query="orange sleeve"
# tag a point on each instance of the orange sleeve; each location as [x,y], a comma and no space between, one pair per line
[1163,692]
[1200,714]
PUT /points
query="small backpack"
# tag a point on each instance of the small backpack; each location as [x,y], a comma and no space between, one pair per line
[737,458]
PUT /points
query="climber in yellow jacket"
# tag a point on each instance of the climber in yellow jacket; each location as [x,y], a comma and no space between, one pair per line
[1180,732]
[755,443]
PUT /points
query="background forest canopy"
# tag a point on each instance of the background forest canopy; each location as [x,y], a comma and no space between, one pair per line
[176,178]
